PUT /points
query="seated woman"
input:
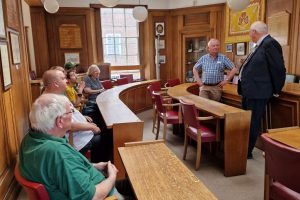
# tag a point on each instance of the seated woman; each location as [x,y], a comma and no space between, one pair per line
[93,88]
[74,96]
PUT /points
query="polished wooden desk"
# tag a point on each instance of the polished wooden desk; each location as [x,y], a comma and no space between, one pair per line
[287,104]
[289,137]
[236,127]
[156,173]
[118,107]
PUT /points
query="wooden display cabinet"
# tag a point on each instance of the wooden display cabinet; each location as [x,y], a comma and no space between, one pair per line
[194,46]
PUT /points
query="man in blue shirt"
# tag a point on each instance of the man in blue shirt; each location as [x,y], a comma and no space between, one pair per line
[212,66]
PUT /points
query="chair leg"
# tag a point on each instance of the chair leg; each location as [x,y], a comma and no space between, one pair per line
[198,153]
[154,119]
[158,127]
[185,145]
[165,128]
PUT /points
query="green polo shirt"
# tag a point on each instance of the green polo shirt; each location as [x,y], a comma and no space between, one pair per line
[64,172]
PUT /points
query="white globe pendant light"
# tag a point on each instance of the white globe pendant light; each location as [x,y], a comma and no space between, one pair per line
[238,5]
[109,3]
[140,13]
[51,6]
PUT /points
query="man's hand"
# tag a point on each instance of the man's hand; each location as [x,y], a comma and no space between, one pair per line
[111,170]
[222,83]
[95,128]
[89,119]
[276,95]
[100,165]
[200,83]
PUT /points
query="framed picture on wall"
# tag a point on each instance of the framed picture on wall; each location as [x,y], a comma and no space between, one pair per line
[2,27]
[228,47]
[159,28]
[72,57]
[5,66]
[15,47]
[240,49]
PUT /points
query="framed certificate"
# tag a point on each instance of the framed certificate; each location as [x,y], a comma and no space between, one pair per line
[15,47]
[5,66]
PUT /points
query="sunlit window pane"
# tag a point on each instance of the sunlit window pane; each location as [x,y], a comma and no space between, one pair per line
[120,36]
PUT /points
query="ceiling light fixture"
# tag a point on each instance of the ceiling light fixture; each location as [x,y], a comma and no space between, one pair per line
[51,6]
[109,3]
[140,13]
[238,5]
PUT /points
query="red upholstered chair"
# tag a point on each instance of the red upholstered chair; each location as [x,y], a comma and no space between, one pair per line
[128,76]
[282,164]
[107,84]
[195,130]
[164,115]
[122,81]
[34,191]
[172,82]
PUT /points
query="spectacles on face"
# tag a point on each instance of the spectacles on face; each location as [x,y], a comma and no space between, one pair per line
[72,111]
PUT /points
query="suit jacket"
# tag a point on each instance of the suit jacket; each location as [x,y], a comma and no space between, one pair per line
[264,73]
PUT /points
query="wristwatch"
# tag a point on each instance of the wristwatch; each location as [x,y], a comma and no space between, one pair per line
[79,95]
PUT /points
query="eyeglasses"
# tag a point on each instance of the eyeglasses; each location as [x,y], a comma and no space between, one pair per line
[72,111]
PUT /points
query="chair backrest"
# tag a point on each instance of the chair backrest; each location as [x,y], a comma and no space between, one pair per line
[190,114]
[282,163]
[172,82]
[159,103]
[156,86]
[34,191]
[128,76]
[122,81]
[107,84]
[290,78]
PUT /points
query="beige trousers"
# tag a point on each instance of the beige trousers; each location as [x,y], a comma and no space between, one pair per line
[210,92]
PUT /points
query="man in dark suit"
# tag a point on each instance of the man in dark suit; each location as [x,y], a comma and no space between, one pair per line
[262,76]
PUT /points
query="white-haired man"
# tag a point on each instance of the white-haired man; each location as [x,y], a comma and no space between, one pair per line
[212,66]
[85,133]
[262,75]
[47,158]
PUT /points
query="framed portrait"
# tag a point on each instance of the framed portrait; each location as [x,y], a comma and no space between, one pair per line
[228,47]
[72,57]
[6,74]
[240,49]
[2,27]
[159,28]
[161,44]
[15,47]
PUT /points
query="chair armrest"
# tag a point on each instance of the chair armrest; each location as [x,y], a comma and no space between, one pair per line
[205,118]
[164,89]
[172,104]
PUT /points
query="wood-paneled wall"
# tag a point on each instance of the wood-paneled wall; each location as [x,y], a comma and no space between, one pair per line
[179,23]
[14,102]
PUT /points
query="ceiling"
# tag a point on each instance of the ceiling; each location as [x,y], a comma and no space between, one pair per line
[152,4]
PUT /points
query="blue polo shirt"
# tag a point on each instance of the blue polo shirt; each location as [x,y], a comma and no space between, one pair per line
[213,69]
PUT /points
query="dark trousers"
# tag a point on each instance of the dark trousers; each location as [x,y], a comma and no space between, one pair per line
[258,107]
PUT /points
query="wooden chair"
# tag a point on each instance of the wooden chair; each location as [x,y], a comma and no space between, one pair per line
[282,164]
[164,115]
[128,76]
[107,84]
[172,82]
[34,191]
[195,130]
[122,81]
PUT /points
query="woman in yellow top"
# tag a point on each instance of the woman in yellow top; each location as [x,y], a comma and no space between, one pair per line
[74,97]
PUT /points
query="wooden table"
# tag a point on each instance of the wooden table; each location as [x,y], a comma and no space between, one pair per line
[118,107]
[156,173]
[288,137]
[236,127]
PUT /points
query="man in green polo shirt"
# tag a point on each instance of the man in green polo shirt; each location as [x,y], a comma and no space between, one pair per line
[47,158]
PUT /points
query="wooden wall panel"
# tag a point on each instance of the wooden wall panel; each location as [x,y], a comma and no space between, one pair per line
[39,33]
[13,17]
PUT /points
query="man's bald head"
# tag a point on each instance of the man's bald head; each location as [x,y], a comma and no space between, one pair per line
[54,81]
[257,30]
